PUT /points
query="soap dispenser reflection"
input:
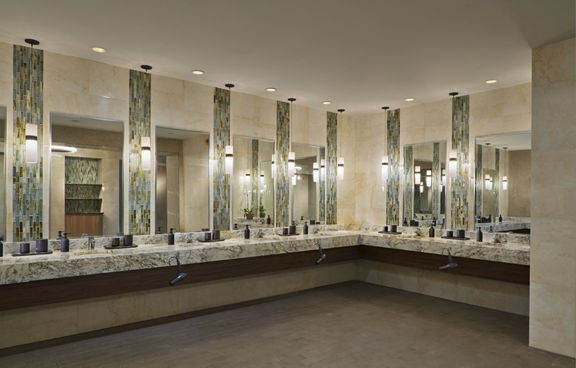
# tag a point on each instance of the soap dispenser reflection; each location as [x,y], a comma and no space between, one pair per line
[171,237]
[64,243]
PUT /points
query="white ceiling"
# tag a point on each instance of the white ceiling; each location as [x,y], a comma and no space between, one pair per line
[177,134]
[359,54]
[86,123]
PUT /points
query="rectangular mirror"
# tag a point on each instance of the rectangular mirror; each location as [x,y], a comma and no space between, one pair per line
[85,176]
[424,184]
[304,183]
[182,180]
[502,182]
[2,173]
[253,183]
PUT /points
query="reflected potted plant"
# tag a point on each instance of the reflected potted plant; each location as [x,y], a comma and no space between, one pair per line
[249,213]
[262,211]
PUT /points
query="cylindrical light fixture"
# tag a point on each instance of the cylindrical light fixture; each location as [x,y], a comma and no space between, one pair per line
[340,163]
[487,182]
[505,183]
[293,179]
[443,177]
[323,169]
[291,163]
[428,178]
[384,168]
[421,188]
[247,178]
[273,165]
[417,175]
[146,153]
[31,143]
[452,163]
[315,172]
[229,159]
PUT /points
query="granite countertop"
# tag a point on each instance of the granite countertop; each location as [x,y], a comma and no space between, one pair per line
[80,262]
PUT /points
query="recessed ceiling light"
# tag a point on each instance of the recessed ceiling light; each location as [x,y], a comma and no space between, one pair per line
[326,103]
[197,72]
[271,89]
[99,50]
[409,99]
[491,81]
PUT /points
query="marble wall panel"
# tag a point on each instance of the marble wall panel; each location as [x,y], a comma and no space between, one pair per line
[81,170]
[331,168]
[27,203]
[140,187]
[393,150]
[282,148]
[496,182]
[436,180]
[255,174]
[408,183]
[221,180]
[479,182]
[460,146]
[322,187]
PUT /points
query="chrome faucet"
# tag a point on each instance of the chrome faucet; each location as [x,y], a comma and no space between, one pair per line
[91,243]
[260,234]
[315,230]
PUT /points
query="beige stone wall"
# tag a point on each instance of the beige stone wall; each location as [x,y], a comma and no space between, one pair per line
[553,207]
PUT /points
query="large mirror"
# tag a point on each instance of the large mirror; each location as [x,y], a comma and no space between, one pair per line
[253,183]
[182,180]
[305,189]
[85,176]
[502,184]
[424,184]
[2,173]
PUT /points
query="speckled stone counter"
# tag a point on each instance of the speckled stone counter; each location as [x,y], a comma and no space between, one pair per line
[81,261]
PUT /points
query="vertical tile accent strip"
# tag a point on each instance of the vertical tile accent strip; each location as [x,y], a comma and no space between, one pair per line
[460,145]
[28,83]
[139,190]
[497,182]
[436,180]
[221,189]
[255,175]
[393,147]
[322,188]
[331,167]
[282,148]
[478,192]
[408,183]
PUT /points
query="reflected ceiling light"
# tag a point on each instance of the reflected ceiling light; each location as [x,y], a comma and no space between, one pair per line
[270,89]
[99,50]
[315,171]
[410,99]
[197,72]
[66,149]
[340,167]
[229,149]
[491,81]
[146,153]
[326,103]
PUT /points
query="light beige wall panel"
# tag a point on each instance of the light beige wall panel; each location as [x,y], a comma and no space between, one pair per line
[553,204]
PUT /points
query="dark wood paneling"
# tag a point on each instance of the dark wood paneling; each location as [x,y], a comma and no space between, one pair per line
[42,292]
[78,224]
[508,272]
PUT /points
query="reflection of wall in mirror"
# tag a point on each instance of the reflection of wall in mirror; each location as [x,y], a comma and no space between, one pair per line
[519,177]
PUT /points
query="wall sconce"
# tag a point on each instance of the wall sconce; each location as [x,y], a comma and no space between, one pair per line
[293,180]
[262,179]
[421,188]
[291,163]
[417,175]
[505,183]
[443,177]
[340,167]
[31,143]
[247,179]
[487,182]
[273,165]
[428,178]
[229,159]
[340,170]
[384,168]
[452,163]
[146,153]
[322,169]
[315,172]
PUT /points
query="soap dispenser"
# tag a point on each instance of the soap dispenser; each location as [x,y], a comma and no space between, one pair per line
[500,218]
[431,232]
[64,243]
[479,235]
[247,232]
[305,229]
[268,220]
[171,237]
[59,235]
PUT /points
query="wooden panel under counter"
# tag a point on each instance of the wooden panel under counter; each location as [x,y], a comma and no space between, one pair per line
[84,223]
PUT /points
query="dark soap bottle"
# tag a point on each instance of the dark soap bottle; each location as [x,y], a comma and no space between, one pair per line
[479,235]
[247,232]
[268,220]
[64,243]
[305,230]
[171,237]
[431,232]
[500,219]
